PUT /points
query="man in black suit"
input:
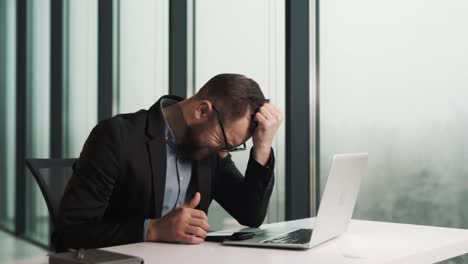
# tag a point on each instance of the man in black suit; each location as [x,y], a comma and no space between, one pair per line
[151,175]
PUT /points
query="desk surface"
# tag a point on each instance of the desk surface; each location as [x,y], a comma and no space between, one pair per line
[365,242]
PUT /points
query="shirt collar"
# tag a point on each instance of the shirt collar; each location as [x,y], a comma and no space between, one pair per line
[169,135]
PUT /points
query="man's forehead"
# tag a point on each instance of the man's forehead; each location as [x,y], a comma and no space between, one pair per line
[239,130]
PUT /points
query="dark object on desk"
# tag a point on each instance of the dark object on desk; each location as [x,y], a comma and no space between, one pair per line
[93,256]
[240,235]
[219,239]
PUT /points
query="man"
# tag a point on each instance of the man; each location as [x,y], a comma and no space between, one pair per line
[151,175]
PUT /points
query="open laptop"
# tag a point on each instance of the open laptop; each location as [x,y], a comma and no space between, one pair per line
[335,212]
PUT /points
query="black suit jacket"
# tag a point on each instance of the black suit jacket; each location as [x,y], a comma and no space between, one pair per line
[119,181]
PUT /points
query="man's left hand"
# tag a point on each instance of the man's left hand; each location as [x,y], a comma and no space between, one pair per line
[268,119]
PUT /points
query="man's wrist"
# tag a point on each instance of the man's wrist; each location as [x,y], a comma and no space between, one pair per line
[261,153]
[152,232]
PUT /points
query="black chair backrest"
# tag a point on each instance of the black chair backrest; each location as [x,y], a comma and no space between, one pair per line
[52,176]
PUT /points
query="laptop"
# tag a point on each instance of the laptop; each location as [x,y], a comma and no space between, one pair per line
[335,212]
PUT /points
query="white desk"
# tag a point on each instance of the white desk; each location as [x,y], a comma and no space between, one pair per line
[365,242]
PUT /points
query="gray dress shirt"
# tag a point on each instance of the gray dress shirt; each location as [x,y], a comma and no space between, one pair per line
[178,173]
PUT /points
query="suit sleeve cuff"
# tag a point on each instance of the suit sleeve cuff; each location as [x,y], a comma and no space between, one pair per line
[271,160]
[145,229]
[264,173]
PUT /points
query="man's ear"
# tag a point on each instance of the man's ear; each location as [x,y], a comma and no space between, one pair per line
[203,110]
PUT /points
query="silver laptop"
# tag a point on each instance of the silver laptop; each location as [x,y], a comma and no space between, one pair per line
[335,212]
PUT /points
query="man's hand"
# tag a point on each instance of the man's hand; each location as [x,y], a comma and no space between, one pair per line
[268,119]
[185,224]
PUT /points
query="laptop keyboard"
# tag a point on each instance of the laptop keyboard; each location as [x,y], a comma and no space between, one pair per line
[300,236]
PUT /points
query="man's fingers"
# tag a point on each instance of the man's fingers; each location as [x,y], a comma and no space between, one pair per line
[194,202]
[270,120]
[260,118]
[199,223]
[199,214]
[191,239]
[270,107]
[266,112]
[197,231]
[274,111]
[277,113]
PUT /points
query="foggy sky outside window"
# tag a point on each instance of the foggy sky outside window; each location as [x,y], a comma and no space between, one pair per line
[394,83]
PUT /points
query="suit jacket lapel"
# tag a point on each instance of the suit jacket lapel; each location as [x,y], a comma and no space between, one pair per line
[156,145]
[204,183]
[155,125]
[157,153]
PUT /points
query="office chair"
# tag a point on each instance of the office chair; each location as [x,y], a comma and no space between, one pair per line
[52,176]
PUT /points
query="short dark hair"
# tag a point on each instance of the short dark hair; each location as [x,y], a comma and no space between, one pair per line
[233,94]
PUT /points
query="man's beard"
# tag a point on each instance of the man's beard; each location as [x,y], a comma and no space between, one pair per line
[189,148]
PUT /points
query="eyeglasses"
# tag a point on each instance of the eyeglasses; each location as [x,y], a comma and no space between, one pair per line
[228,148]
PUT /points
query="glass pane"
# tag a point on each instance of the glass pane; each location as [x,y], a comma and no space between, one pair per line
[143,62]
[80,73]
[38,112]
[253,46]
[7,113]
[393,83]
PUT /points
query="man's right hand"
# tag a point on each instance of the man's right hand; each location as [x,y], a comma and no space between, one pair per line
[185,224]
